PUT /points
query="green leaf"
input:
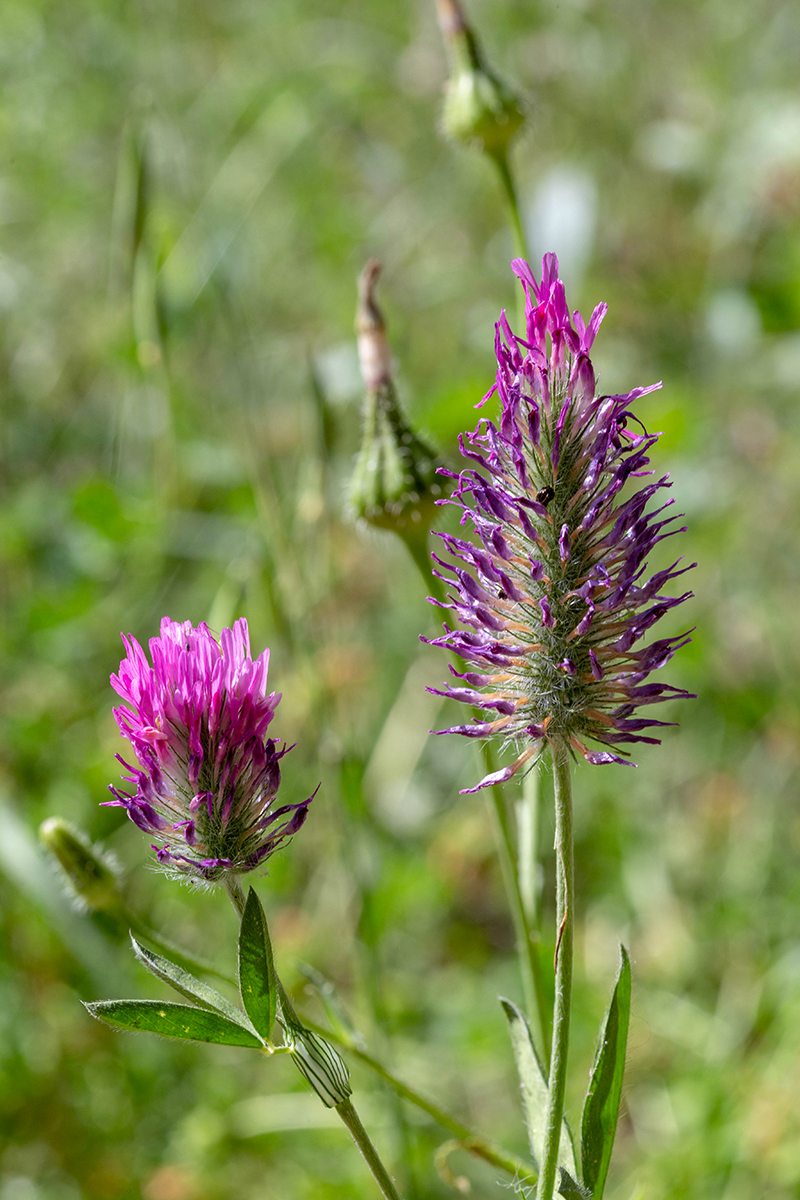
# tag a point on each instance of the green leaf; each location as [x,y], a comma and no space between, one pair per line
[188,985]
[174,1021]
[601,1107]
[257,982]
[535,1092]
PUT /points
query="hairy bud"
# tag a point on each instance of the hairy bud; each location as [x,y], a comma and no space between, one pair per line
[92,876]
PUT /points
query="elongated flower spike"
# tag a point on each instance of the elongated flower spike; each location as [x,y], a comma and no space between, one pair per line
[554,593]
[208,775]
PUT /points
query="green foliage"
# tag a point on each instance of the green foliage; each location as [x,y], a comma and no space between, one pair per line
[174,1021]
[177,467]
[257,982]
[533,1082]
[601,1107]
[188,985]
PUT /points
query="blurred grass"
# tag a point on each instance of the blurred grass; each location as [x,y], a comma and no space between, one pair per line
[187,195]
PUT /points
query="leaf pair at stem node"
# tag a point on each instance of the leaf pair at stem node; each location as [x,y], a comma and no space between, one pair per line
[602,1103]
[212,1018]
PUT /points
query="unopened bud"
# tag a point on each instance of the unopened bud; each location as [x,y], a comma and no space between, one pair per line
[478,107]
[91,875]
[374,355]
[394,483]
[321,1066]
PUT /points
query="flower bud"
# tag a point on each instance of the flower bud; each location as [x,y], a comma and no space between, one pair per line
[321,1066]
[394,483]
[92,877]
[478,107]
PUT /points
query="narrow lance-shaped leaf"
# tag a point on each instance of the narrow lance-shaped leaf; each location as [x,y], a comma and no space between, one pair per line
[601,1107]
[188,985]
[174,1021]
[534,1090]
[257,981]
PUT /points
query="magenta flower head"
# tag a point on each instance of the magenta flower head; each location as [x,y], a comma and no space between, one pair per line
[554,593]
[208,775]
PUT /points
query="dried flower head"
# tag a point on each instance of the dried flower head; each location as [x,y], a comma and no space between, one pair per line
[394,483]
[556,596]
[208,776]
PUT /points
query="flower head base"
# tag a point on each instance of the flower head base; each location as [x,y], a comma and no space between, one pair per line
[208,775]
[555,596]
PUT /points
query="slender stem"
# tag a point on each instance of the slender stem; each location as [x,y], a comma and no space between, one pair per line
[533,988]
[565,918]
[417,542]
[500,160]
[234,890]
[495,1155]
[491,1153]
[367,944]
[369,1153]
[345,1108]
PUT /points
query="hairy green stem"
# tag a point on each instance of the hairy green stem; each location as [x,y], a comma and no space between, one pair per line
[496,1156]
[565,918]
[370,971]
[234,890]
[472,1142]
[368,1152]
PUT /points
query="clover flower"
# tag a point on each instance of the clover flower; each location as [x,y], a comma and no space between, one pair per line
[208,776]
[555,596]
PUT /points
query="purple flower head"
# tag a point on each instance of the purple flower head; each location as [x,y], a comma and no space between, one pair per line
[556,596]
[208,775]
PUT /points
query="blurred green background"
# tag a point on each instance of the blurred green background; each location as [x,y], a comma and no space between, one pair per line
[187,193]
